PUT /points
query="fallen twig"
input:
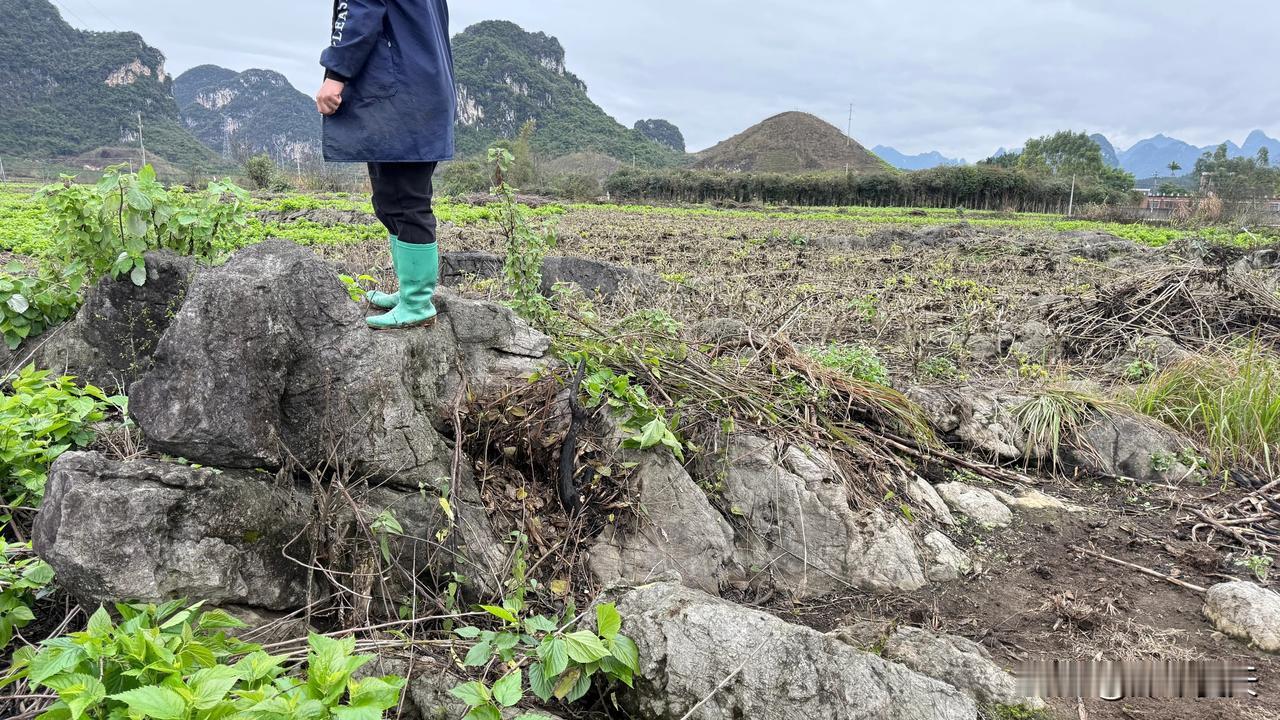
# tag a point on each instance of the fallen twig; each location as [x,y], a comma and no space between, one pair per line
[1139,568]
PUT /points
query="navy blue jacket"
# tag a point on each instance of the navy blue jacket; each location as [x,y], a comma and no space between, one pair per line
[399,103]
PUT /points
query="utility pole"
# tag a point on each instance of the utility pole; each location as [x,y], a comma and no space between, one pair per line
[141,145]
[848,136]
[1071,206]
[3,177]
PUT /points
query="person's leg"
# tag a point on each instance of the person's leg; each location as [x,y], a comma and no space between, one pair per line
[386,209]
[411,183]
[385,206]
[418,256]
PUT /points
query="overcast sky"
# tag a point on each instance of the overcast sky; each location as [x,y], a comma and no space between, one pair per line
[960,77]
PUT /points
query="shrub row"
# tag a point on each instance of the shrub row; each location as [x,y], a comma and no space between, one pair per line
[977,187]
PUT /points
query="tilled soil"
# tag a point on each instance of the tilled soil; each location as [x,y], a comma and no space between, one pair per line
[947,304]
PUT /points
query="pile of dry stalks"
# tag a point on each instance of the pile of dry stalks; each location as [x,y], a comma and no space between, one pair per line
[1193,305]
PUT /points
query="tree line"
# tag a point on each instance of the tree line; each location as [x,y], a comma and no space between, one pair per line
[976,187]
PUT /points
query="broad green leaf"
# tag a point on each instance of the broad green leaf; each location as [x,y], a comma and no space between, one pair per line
[382,693]
[540,623]
[138,276]
[18,303]
[479,654]
[499,612]
[468,632]
[625,651]
[472,693]
[484,712]
[211,685]
[539,683]
[510,689]
[358,712]
[154,701]
[555,656]
[52,661]
[585,647]
[608,621]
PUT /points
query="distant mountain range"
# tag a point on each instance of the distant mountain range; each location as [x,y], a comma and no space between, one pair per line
[1152,157]
[1145,159]
[68,92]
[923,161]
[243,114]
[74,93]
[507,76]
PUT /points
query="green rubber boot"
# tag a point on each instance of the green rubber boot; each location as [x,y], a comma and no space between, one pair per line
[381,299]
[418,268]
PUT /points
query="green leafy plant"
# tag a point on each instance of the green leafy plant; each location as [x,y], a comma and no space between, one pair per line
[561,662]
[644,423]
[107,227]
[1139,370]
[41,417]
[854,360]
[1052,418]
[527,246]
[24,578]
[173,663]
[31,304]
[358,287]
[1259,565]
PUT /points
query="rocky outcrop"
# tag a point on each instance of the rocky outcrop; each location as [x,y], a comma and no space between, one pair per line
[760,515]
[1107,442]
[269,361]
[150,531]
[674,529]
[268,365]
[1246,611]
[795,528]
[956,661]
[111,340]
[715,660]
[946,561]
[977,504]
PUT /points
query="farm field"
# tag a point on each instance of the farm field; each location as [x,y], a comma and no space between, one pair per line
[1112,388]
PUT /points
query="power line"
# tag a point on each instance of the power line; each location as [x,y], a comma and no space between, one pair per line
[104,15]
[67,11]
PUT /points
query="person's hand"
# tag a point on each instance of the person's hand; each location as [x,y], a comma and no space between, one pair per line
[329,99]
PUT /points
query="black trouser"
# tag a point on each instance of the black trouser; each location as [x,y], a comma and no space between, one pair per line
[402,200]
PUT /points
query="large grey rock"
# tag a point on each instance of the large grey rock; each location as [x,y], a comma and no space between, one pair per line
[674,529]
[957,661]
[1119,444]
[795,528]
[923,493]
[977,417]
[1109,442]
[976,504]
[269,361]
[112,338]
[690,643]
[432,544]
[151,531]
[946,561]
[1246,611]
